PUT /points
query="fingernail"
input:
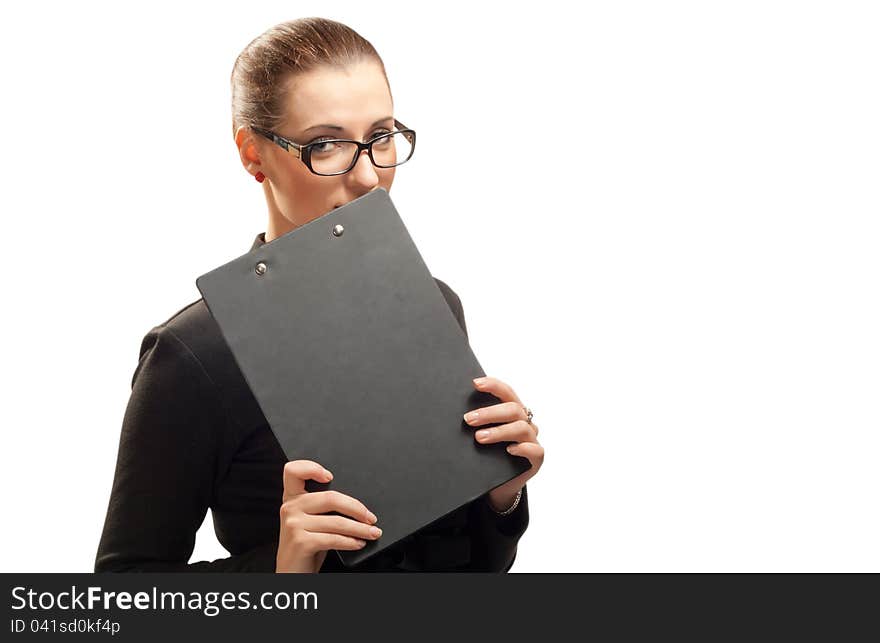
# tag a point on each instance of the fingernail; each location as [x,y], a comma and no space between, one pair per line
[328,474]
[372,516]
[375,532]
[482,434]
[470,417]
[479,380]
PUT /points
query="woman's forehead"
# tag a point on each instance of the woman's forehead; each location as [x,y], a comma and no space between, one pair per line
[355,96]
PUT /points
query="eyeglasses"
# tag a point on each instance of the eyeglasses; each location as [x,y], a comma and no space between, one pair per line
[334,156]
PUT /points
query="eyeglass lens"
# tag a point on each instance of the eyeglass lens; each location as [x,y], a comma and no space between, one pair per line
[389,150]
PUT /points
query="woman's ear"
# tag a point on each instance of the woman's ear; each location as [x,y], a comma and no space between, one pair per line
[247,148]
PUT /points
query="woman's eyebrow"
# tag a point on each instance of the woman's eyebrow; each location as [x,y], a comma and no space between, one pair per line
[340,128]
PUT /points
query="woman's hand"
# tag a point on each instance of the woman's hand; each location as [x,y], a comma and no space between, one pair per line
[523,435]
[306,535]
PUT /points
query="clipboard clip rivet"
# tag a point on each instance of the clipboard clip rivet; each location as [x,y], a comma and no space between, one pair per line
[260,268]
[338,230]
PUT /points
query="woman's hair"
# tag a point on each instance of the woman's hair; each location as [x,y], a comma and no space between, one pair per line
[264,69]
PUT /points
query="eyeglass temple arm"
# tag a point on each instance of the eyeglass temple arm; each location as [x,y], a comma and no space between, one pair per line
[290,146]
[401,126]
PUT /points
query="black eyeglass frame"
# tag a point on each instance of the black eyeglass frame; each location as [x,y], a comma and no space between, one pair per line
[304,152]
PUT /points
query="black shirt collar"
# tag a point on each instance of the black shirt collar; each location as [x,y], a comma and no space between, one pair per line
[260,240]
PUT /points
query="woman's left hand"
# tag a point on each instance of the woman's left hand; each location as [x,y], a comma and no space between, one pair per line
[522,434]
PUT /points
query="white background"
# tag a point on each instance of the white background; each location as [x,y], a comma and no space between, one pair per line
[668,245]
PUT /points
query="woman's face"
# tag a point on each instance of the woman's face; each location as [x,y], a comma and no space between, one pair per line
[356,100]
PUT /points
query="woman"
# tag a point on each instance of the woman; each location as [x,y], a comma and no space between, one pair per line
[193,436]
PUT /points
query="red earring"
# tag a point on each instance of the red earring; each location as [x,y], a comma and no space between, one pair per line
[260,177]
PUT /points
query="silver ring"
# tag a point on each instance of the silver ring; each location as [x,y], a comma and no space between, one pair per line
[529,414]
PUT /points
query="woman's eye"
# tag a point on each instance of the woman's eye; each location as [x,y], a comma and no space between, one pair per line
[318,148]
[322,148]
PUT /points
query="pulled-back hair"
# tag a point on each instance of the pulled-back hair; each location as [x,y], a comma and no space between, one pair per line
[264,69]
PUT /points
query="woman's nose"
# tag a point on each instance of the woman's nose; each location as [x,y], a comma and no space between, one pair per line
[364,171]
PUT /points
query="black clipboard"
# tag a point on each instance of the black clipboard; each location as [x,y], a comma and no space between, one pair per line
[357,362]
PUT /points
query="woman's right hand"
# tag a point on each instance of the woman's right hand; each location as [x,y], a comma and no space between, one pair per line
[306,535]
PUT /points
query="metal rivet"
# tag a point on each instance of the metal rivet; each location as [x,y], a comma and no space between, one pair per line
[338,230]
[260,268]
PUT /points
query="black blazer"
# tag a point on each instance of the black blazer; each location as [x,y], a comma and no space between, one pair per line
[194,437]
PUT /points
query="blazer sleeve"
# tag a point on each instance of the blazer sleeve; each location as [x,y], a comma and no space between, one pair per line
[165,468]
[493,537]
